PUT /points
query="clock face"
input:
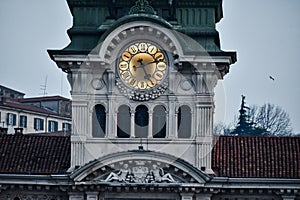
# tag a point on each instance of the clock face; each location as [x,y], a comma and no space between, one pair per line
[142,66]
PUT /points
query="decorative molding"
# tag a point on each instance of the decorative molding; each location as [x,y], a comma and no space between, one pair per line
[142,6]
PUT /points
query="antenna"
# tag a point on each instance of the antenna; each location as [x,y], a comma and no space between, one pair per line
[44,87]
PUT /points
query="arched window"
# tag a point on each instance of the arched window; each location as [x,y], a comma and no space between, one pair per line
[123,130]
[99,121]
[159,122]
[184,122]
[141,121]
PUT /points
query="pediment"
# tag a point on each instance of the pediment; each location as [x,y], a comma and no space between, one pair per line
[139,167]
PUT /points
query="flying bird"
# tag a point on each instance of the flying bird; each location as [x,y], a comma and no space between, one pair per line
[271,78]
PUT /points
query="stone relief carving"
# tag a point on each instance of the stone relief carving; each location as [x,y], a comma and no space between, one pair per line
[140,174]
[142,6]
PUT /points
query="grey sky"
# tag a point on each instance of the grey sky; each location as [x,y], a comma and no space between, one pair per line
[265,34]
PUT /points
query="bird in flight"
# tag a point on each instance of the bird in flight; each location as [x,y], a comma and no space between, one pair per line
[272,78]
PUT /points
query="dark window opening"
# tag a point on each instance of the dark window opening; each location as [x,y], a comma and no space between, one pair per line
[11,119]
[184,122]
[52,126]
[159,122]
[23,121]
[123,130]
[38,124]
[99,121]
[141,121]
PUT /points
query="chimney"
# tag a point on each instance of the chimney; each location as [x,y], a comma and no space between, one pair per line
[18,131]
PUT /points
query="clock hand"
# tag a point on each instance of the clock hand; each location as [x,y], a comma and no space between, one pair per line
[147,76]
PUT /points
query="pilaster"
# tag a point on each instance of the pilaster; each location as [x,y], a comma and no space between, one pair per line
[111,115]
[132,124]
[150,124]
[172,119]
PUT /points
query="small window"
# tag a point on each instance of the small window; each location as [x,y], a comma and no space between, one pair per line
[66,127]
[123,130]
[99,121]
[141,121]
[38,124]
[23,121]
[67,107]
[11,119]
[52,126]
[184,122]
[159,122]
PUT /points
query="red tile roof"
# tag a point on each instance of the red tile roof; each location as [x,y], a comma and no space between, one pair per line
[29,154]
[232,156]
[257,157]
[45,98]
[25,107]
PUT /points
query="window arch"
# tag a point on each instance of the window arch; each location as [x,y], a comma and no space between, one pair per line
[159,122]
[123,130]
[141,121]
[184,122]
[99,121]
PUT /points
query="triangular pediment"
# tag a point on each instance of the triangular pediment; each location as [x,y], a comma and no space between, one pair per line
[139,167]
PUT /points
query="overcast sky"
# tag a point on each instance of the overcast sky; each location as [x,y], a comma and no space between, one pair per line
[265,34]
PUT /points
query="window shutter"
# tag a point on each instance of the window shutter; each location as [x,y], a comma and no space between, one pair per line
[41,124]
[49,126]
[14,119]
[35,123]
[25,121]
[56,126]
[7,119]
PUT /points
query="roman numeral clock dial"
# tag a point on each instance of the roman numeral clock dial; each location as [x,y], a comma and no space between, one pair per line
[142,70]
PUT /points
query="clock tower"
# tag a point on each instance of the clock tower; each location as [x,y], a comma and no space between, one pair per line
[142,75]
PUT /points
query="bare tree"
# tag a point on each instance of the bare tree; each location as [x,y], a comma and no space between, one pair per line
[272,118]
[220,128]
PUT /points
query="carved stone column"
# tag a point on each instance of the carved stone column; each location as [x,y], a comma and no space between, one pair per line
[132,123]
[111,121]
[176,124]
[167,125]
[171,118]
[150,124]
[116,124]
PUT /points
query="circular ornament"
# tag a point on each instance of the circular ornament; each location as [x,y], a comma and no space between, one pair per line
[142,71]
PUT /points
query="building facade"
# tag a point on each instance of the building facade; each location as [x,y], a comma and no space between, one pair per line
[35,115]
[142,75]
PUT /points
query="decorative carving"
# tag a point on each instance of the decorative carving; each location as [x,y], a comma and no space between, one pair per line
[186,84]
[141,95]
[97,83]
[142,6]
[140,174]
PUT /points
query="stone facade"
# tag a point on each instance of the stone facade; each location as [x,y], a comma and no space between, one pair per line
[145,142]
